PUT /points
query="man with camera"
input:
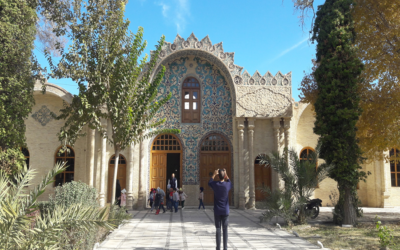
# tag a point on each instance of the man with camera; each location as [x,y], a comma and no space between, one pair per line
[221,190]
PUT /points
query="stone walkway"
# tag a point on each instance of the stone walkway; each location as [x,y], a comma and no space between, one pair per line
[193,229]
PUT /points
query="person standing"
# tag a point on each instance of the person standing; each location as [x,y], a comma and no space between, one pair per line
[118,193]
[221,190]
[173,182]
[123,197]
[171,201]
[162,194]
[183,197]
[201,198]
[168,200]
[175,198]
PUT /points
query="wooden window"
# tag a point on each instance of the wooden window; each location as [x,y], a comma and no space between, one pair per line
[67,156]
[121,160]
[191,100]
[25,151]
[166,142]
[305,155]
[394,154]
[214,143]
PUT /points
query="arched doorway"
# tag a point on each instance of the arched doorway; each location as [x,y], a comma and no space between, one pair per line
[215,153]
[166,159]
[262,179]
[121,174]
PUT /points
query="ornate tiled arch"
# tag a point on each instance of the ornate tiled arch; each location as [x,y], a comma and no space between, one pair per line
[216,110]
[275,90]
[149,155]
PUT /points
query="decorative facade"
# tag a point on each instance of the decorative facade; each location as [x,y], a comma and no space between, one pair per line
[249,114]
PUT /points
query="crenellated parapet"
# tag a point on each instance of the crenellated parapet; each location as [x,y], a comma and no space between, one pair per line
[256,95]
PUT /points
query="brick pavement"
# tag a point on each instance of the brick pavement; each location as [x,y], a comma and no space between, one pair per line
[193,229]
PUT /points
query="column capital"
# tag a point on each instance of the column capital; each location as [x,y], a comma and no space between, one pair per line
[286,124]
[250,123]
[276,123]
[240,122]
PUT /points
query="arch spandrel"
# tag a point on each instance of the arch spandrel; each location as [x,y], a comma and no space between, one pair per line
[263,96]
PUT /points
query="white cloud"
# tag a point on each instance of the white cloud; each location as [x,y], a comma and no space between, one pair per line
[289,49]
[177,11]
[164,10]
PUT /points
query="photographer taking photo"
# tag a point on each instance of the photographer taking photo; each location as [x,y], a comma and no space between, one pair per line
[221,190]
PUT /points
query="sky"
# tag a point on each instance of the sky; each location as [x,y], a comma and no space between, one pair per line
[266,35]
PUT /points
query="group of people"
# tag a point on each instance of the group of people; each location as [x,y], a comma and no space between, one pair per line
[173,197]
[221,189]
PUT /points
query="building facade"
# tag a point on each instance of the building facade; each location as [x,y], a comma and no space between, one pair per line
[227,117]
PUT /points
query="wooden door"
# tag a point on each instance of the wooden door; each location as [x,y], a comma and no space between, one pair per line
[209,162]
[158,170]
[262,178]
[121,176]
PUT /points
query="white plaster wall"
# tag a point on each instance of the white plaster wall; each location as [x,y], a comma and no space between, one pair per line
[42,142]
[305,137]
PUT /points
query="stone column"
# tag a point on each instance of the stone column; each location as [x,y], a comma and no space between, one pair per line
[103,164]
[250,131]
[142,167]
[276,125]
[129,165]
[242,198]
[386,179]
[286,128]
[90,157]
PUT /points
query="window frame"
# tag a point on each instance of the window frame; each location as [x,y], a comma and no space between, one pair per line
[56,158]
[396,163]
[193,113]
[221,144]
[308,158]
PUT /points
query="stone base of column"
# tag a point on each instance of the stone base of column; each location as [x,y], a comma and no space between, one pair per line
[252,203]
[141,204]
[242,202]
[129,200]
[102,200]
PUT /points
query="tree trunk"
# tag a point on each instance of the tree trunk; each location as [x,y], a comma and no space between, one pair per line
[350,215]
[114,186]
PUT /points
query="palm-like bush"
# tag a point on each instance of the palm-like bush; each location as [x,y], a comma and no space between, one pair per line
[300,179]
[20,228]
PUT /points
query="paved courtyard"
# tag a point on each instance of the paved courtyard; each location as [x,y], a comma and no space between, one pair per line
[193,229]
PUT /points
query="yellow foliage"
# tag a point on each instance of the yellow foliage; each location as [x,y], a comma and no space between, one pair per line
[378,34]
[377,24]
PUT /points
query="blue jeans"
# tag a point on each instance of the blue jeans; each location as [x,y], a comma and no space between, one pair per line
[221,220]
[201,204]
[176,206]
[168,204]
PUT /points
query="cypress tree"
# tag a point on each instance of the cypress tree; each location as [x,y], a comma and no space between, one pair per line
[337,105]
[17,69]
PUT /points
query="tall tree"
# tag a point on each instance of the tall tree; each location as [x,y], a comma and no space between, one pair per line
[105,55]
[378,40]
[337,105]
[18,69]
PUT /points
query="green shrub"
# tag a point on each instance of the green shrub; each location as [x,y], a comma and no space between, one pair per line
[74,193]
[69,194]
[11,161]
[22,228]
[385,234]
[118,215]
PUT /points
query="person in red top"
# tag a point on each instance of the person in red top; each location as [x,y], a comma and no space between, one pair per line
[221,190]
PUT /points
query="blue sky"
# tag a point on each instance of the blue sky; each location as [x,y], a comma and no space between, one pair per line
[265,35]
